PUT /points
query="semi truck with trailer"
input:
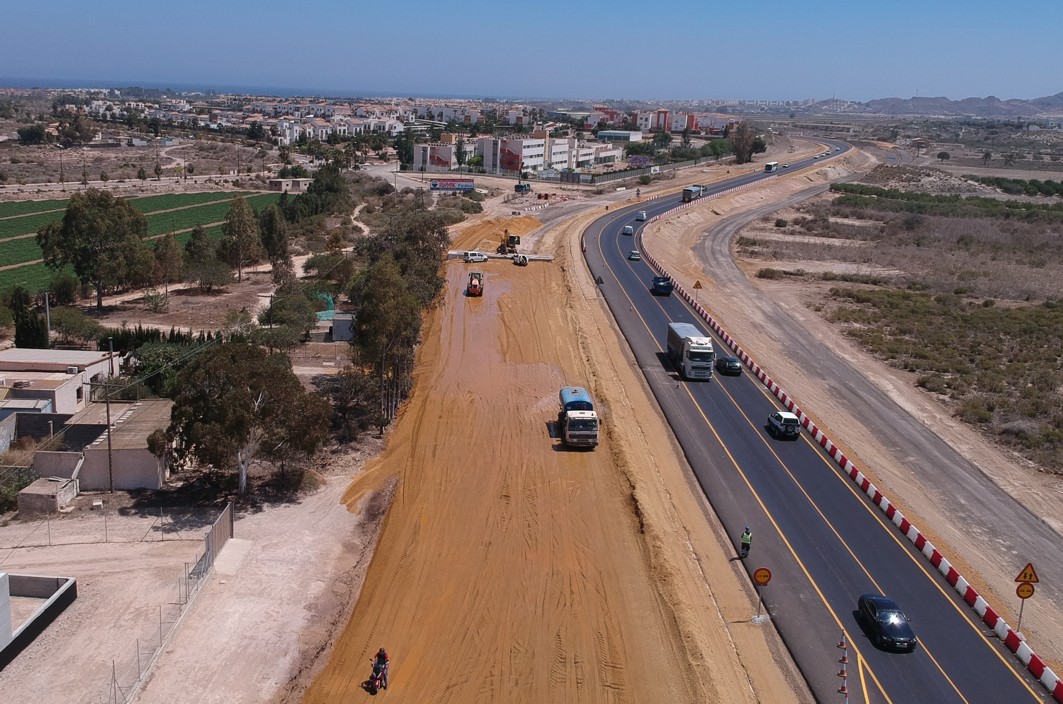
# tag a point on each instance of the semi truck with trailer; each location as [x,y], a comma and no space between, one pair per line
[690,352]
[577,421]
[692,193]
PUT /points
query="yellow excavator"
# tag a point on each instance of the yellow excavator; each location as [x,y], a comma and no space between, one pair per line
[508,243]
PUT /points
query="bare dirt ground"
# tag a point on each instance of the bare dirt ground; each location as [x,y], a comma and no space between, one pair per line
[47,172]
[285,584]
[511,570]
[560,576]
[508,570]
[128,567]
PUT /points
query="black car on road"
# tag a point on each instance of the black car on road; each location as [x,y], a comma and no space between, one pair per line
[885,623]
[661,286]
[729,365]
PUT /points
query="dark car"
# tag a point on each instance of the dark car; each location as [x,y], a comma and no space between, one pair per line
[729,365]
[661,286]
[885,623]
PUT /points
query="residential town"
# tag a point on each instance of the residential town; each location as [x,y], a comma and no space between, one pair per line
[495,137]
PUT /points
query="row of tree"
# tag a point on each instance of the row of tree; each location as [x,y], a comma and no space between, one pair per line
[238,401]
[743,142]
[104,240]
[235,396]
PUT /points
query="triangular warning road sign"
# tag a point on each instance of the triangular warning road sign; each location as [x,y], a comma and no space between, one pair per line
[1027,575]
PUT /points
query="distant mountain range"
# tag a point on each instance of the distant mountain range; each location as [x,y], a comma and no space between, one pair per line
[1047,107]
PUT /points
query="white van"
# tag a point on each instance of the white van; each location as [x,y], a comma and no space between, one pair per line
[641,216]
[628,230]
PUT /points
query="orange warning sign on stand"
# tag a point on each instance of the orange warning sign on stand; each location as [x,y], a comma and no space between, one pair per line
[1024,590]
[1028,574]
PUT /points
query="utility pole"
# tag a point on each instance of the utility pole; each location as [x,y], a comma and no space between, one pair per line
[110,457]
[107,403]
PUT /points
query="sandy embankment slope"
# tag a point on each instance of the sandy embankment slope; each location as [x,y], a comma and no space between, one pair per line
[511,570]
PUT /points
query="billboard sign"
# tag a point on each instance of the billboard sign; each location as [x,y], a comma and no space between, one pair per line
[452,184]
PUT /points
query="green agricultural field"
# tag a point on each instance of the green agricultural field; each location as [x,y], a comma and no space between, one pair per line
[27,224]
[34,277]
[37,277]
[161,223]
[151,204]
[17,251]
[26,207]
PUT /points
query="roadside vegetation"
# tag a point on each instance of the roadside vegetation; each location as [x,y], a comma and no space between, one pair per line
[856,195]
[1020,187]
[238,404]
[964,292]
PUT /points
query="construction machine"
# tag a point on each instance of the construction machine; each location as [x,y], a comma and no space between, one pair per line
[476,284]
[508,243]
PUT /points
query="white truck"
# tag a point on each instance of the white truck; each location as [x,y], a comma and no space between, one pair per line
[690,352]
[577,421]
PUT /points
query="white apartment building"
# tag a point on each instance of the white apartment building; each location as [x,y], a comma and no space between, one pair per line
[511,154]
[438,157]
[559,152]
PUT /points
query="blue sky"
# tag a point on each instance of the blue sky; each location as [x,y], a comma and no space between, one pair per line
[548,48]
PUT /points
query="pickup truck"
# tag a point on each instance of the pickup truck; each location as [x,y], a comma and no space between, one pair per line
[661,286]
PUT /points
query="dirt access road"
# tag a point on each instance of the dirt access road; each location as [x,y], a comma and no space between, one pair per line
[511,570]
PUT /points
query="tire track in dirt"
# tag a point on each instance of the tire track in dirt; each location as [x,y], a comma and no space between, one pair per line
[511,570]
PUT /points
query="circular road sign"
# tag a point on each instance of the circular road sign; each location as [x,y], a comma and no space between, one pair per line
[762,575]
[1024,590]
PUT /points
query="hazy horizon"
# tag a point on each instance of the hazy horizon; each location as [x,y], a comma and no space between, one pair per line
[621,50]
[291,92]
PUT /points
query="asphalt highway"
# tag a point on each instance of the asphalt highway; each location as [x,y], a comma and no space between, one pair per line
[823,541]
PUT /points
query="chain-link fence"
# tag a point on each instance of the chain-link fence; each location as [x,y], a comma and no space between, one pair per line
[129,672]
[105,526]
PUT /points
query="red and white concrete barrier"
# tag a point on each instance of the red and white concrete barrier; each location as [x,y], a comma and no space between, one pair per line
[989,616]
